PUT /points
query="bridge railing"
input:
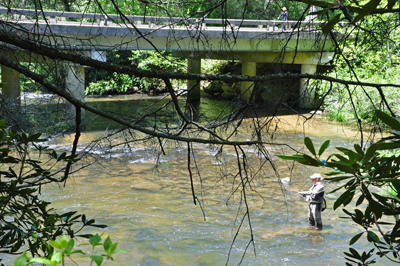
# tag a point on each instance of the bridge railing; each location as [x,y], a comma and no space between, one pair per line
[154,22]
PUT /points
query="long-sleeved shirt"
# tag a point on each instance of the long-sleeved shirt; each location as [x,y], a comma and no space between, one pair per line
[316,193]
[284,15]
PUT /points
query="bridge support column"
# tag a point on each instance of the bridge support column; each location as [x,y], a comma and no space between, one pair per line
[76,84]
[194,66]
[307,93]
[247,87]
[11,89]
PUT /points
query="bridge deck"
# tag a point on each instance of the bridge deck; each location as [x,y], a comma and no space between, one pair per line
[163,33]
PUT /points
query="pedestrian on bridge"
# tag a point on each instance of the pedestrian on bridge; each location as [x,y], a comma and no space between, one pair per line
[310,16]
[284,14]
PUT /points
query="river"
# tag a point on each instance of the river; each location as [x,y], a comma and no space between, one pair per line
[148,205]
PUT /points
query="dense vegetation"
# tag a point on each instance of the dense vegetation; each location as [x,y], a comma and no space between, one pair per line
[371,58]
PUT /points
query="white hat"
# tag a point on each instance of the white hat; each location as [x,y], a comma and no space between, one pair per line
[316,175]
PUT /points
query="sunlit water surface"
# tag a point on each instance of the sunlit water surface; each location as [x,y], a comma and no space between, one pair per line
[148,205]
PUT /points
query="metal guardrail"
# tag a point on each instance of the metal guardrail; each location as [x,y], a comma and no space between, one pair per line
[107,20]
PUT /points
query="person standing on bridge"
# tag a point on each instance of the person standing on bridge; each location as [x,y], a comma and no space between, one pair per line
[284,16]
[310,17]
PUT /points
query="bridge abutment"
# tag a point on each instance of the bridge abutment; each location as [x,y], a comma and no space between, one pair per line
[75,83]
[11,84]
[193,86]
[307,93]
[247,87]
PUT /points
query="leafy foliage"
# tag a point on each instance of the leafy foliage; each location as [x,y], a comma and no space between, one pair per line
[352,11]
[152,60]
[359,172]
[122,83]
[26,221]
[64,247]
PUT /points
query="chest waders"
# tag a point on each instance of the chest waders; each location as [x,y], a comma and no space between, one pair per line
[319,205]
[314,214]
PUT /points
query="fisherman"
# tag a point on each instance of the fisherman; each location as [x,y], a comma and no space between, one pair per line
[315,196]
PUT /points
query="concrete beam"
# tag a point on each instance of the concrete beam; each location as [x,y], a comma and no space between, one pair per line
[194,66]
[311,58]
[11,80]
[75,82]
[307,93]
[247,87]
[83,36]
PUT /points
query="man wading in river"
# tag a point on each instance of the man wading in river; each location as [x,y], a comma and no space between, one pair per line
[316,198]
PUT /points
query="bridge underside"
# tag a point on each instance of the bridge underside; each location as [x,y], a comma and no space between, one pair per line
[307,63]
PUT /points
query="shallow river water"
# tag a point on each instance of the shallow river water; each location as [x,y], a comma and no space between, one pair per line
[149,208]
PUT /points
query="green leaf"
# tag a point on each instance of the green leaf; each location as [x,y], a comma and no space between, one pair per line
[23,259]
[63,241]
[373,236]
[297,157]
[387,146]
[121,251]
[55,244]
[348,199]
[54,155]
[359,216]
[371,152]
[312,161]
[97,259]
[56,258]
[360,200]
[359,149]
[107,244]
[387,119]
[323,147]
[2,122]
[42,261]
[341,199]
[99,225]
[355,254]
[342,159]
[69,247]
[309,145]
[344,150]
[78,251]
[327,27]
[113,248]
[355,238]
[17,246]
[377,209]
[84,218]
[95,240]
[338,178]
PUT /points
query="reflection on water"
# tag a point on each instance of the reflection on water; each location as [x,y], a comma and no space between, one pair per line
[149,208]
[133,107]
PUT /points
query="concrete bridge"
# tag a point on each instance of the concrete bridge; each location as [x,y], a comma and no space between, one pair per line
[249,41]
